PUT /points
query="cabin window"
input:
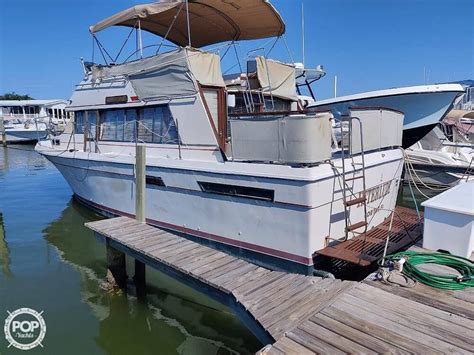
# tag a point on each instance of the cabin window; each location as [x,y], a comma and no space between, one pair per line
[131,118]
[17,110]
[156,125]
[237,191]
[79,122]
[112,125]
[91,123]
[211,97]
[154,180]
[150,125]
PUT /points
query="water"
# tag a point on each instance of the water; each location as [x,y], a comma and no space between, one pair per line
[50,262]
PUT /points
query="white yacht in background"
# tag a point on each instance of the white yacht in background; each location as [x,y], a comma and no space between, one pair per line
[424,106]
[31,120]
[436,161]
[228,162]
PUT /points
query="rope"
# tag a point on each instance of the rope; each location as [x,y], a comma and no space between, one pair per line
[463,266]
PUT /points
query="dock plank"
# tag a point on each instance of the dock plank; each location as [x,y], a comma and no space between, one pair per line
[304,314]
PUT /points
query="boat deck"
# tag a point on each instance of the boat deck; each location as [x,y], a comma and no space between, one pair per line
[367,248]
[305,314]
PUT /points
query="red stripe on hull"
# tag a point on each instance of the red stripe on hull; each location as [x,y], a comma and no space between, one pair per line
[257,248]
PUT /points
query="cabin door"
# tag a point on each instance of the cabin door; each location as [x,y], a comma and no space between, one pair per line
[215,103]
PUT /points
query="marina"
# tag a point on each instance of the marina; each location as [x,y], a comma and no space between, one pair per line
[199,191]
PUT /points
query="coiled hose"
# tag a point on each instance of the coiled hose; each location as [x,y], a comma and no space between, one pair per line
[464,266]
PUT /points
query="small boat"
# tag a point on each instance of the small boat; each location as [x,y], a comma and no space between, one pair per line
[436,161]
[424,106]
[27,121]
[230,161]
[459,126]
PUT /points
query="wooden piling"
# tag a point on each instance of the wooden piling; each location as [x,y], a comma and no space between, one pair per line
[140,182]
[139,277]
[2,131]
[116,268]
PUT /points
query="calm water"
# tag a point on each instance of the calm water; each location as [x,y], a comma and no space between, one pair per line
[50,262]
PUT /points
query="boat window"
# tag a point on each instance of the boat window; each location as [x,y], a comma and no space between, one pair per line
[16,110]
[238,191]
[79,122]
[112,125]
[154,180]
[150,125]
[131,118]
[91,123]
[156,125]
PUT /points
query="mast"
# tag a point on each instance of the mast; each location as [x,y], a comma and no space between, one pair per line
[302,30]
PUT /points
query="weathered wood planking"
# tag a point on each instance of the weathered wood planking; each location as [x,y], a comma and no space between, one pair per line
[306,315]
[367,319]
[275,301]
[375,317]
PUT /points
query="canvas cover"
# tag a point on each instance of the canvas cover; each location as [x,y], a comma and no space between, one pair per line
[206,67]
[167,76]
[276,77]
[212,21]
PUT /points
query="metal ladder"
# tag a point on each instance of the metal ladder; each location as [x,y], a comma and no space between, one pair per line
[249,100]
[348,195]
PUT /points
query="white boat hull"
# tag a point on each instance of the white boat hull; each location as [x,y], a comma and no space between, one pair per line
[423,106]
[281,234]
[23,136]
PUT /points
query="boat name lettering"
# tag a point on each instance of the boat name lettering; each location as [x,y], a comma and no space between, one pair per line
[377,192]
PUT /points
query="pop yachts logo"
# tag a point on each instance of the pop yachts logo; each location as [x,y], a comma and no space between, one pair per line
[25,328]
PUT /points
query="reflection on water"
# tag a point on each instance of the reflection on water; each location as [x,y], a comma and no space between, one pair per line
[51,262]
[409,196]
[4,253]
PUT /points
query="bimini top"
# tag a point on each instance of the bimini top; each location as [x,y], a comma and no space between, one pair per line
[211,21]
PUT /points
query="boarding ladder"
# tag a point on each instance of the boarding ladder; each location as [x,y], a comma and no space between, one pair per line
[256,103]
[349,198]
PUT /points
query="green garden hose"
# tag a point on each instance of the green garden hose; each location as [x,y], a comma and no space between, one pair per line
[464,266]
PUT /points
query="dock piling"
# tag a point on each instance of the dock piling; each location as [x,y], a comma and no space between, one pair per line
[140,182]
[2,131]
[116,268]
[139,277]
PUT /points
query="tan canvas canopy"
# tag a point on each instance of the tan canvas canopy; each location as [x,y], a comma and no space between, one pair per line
[211,21]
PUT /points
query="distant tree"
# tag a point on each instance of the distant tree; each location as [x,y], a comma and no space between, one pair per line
[14,96]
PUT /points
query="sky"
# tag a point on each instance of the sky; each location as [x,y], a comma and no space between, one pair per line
[368,44]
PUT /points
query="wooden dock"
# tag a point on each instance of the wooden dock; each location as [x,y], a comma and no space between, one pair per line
[299,314]
[270,303]
[381,317]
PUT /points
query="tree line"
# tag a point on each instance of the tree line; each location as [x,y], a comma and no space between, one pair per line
[14,96]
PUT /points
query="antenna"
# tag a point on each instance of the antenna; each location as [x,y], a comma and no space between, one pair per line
[187,19]
[302,30]
[335,85]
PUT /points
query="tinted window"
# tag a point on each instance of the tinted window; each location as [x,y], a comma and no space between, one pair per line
[112,125]
[79,122]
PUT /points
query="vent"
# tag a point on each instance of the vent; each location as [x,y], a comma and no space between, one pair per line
[154,180]
[237,191]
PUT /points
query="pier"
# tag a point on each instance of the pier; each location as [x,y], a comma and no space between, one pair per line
[294,313]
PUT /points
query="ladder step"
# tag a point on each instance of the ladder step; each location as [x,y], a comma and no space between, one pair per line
[355,201]
[356,226]
[354,178]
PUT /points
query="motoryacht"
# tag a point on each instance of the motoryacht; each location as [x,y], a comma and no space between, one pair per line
[233,164]
[436,161]
[27,121]
[424,106]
